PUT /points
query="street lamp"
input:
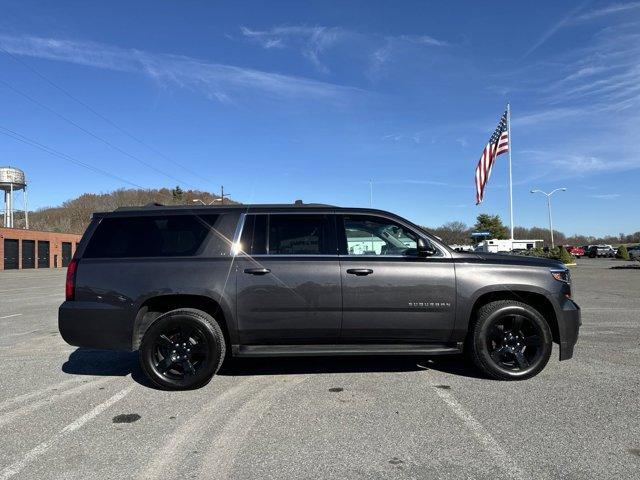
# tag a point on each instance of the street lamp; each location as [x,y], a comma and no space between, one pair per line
[548,195]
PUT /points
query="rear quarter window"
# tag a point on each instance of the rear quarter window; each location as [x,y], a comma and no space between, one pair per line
[150,236]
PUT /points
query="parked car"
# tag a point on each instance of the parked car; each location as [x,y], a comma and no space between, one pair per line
[186,286]
[634,252]
[575,251]
[601,251]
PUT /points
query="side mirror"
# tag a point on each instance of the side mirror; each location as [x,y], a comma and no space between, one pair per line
[424,248]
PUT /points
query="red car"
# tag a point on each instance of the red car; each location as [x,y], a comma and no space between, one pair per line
[575,251]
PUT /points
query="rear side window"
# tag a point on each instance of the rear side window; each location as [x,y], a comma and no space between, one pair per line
[254,234]
[149,236]
[289,234]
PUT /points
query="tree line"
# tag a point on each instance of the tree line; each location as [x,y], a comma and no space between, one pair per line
[459,233]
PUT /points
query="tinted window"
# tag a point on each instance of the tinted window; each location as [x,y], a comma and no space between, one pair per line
[292,235]
[152,236]
[254,234]
[368,235]
[299,235]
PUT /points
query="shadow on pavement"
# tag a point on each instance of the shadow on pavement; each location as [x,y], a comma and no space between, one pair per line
[88,361]
[455,365]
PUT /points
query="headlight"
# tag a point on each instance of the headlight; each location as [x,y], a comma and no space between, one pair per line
[561,275]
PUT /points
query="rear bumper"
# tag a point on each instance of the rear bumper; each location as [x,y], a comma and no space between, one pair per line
[568,328]
[94,325]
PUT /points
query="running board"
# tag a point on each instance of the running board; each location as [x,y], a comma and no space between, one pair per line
[331,350]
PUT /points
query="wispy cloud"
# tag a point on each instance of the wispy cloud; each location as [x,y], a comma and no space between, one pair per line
[574,18]
[215,80]
[530,119]
[608,10]
[314,42]
[554,28]
[389,47]
[434,183]
[606,196]
[422,40]
[563,164]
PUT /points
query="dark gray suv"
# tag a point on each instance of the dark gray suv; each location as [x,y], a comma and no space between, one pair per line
[188,286]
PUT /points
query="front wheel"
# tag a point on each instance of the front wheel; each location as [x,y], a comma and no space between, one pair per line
[510,340]
[182,349]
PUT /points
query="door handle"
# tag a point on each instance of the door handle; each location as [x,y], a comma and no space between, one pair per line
[360,272]
[257,271]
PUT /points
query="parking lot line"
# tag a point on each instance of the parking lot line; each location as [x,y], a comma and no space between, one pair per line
[28,396]
[43,447]
[40,287]
[221,456]
[500,456]
[22,411]
[11,316]
[191,430]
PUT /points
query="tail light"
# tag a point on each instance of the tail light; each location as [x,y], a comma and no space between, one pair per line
[70,284]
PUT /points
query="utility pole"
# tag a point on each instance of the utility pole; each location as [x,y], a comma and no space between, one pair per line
[548,195]
[222,195]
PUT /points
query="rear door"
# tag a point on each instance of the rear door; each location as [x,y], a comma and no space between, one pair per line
[288,279]
[390,293]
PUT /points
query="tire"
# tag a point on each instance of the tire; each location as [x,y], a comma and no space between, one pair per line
[509,340]
[182,349]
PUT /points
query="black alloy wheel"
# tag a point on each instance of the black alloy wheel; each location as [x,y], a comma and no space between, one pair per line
[180,352]
[514,342]
[510,340]
[182,349]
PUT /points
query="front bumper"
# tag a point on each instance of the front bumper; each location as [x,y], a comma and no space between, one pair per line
[568,327]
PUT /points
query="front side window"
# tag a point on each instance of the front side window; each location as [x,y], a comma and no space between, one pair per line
[369,235]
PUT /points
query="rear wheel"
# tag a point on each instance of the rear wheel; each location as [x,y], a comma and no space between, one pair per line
[510,340]
[182,349]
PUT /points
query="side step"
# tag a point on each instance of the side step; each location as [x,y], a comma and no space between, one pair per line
[331,350]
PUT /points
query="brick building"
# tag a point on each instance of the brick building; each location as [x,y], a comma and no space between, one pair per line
[34,249]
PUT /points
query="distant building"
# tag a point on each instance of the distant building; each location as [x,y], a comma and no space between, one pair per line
[22,249]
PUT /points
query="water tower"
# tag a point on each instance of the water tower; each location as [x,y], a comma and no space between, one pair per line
[13,180]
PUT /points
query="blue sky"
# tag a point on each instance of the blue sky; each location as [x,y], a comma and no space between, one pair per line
[286,100]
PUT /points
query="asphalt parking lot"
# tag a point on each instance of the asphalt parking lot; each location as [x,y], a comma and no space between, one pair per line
[76,413]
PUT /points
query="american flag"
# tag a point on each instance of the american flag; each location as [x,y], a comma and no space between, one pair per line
[498,143]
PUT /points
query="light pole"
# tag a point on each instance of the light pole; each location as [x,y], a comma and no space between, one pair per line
[548,195]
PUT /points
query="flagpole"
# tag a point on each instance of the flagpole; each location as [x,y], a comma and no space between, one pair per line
[510,177]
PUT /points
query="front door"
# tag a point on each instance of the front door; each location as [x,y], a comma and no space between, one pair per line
[389,292]
[288,280]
